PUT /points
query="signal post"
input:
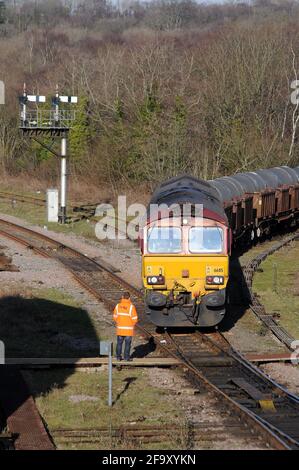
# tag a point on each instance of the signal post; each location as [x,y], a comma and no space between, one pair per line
[55,122]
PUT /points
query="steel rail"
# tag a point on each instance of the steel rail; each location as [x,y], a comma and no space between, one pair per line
[75,207]
[187,434]
[279,439]
[22,198]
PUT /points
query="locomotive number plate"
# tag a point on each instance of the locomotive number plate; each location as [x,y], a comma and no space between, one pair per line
[214,270]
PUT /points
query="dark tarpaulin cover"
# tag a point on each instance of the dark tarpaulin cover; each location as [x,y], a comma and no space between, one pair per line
[187,189]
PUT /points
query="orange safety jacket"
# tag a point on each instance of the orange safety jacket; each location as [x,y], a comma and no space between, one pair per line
[125,316]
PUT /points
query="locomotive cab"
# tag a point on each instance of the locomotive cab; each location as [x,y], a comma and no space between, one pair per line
[185,271]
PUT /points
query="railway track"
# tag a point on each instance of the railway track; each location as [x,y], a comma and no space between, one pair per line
[22,198]
[199,434]
[243,391]
[82,210]
[231,376]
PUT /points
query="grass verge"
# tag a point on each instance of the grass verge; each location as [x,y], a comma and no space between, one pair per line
[79,401]
[37,215]
[277,285]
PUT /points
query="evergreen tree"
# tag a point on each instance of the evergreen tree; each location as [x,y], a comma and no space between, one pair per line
[80,133]
[2,12]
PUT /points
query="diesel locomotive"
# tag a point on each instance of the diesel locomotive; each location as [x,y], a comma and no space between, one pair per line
[190,228]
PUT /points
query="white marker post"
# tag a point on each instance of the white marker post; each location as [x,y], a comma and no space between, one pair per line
[56,104]
[72,100]
[2,92]
[23,100]
[106,350]
[52,205]
[2,352]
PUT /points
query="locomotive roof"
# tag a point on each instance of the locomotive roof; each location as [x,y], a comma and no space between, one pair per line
[188,189]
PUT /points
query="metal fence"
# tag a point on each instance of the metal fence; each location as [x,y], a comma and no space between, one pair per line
[47,119]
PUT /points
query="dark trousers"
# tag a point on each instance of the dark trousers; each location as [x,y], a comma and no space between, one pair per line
[119,346]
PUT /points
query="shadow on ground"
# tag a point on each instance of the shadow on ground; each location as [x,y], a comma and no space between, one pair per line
[143,350]
[128,381]
[238,294]
[39,328]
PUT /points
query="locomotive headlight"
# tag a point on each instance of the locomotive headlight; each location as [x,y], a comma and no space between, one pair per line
[218,280]
[156,280]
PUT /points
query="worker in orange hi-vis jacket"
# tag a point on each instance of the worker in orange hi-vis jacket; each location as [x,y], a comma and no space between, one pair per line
[125,317]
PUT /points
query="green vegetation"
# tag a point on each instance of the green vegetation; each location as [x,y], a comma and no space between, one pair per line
[36,214]
[80,134]
[254,251]
[2,12]
[281,297]
[79,401]
[79,223]
[164,87]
